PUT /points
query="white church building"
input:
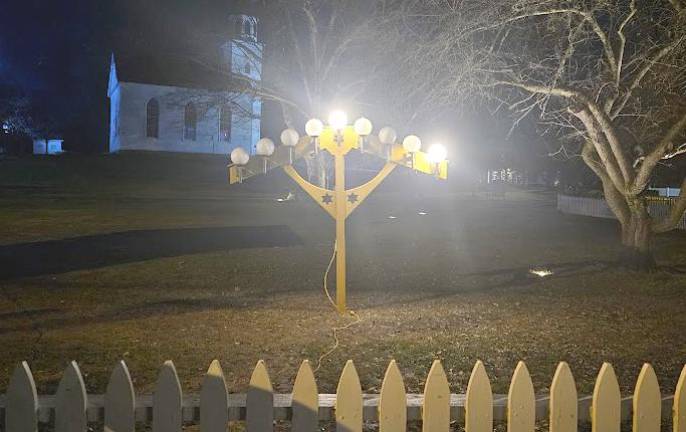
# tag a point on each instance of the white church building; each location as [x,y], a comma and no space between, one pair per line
[183,105]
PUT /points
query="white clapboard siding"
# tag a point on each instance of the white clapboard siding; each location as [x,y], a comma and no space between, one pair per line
[21,414]
[679,407]
[606,406]
[349,400]
[166,408]
[120,401]
[71,400]
[214,400]
[479,401]
[393,401]
[436,409]
[521,401]
[563,408]
[260,401]
[305,403]
[647,402]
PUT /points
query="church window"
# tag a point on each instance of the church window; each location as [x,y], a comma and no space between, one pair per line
[247,69]
[153,119]
[225,117]
[190,122]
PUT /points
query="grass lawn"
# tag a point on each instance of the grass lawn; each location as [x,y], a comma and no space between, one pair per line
[153,257]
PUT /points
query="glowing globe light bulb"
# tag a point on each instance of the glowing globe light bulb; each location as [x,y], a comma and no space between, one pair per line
[265,147]
[387,135]
[412,144]
[437,153]
[239,156]
[338,119]
[363,127]
[314,127]
[290,137]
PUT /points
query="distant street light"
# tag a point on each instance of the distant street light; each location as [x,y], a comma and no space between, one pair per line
[338,138]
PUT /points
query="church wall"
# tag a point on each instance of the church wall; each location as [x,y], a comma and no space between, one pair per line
[172,101]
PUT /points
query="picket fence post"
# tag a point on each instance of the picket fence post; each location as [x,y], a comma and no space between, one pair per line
[21,410]
[606,405]
[393,401]
[166,404]
[305,404]
[349,400]
[436,409]
[564,405]
[260,401]
[521,401]
[70,401]
[647,402]
[679,408]
[214,400]
[479,401]
[120,401]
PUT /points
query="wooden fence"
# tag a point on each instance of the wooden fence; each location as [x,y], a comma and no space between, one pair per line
[167,409]
[659,208]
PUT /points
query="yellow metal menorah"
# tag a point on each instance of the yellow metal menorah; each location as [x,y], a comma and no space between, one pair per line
[340,202]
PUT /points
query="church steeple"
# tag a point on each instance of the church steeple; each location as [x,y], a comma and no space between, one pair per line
[242,54]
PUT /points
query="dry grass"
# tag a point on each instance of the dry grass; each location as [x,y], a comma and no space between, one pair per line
[453,284]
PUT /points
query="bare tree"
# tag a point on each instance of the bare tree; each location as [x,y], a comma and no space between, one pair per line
[607,76]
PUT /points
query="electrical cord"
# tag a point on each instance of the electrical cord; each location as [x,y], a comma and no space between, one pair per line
[334,330]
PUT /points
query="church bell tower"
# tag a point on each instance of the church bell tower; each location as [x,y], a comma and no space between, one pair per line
[242,54]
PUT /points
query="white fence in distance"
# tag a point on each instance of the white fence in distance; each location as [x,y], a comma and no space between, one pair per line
[659,208]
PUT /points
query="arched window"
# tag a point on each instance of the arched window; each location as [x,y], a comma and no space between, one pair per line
[153,119]
[247,69]
[247,27]
[225,118]
[190,121]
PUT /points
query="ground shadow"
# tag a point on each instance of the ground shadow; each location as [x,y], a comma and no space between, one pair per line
[88,252]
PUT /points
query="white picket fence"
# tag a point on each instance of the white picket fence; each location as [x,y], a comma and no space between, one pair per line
[659,208]
[167,409]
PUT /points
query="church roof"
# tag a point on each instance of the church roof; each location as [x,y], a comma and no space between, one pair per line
[175,71]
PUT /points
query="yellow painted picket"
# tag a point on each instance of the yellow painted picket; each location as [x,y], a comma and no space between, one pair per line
[563,408]
[436,409]
[606,405]
[521,401]
[349,400]
[259,415]
[647,402]
[679,408]
[479,401]
[305,403]
[393,401]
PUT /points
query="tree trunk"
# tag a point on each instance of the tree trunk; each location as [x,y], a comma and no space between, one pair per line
[637,237]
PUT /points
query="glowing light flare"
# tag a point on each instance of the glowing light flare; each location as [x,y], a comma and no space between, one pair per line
[437,153]
[338,119]
[541,272]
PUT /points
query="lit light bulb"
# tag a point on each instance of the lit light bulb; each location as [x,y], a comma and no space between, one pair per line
[387,135]
[338,119]
[412,144]
[363,127]
[437,153]
[265,147]
[314,127]
[290,137]
[239,156]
